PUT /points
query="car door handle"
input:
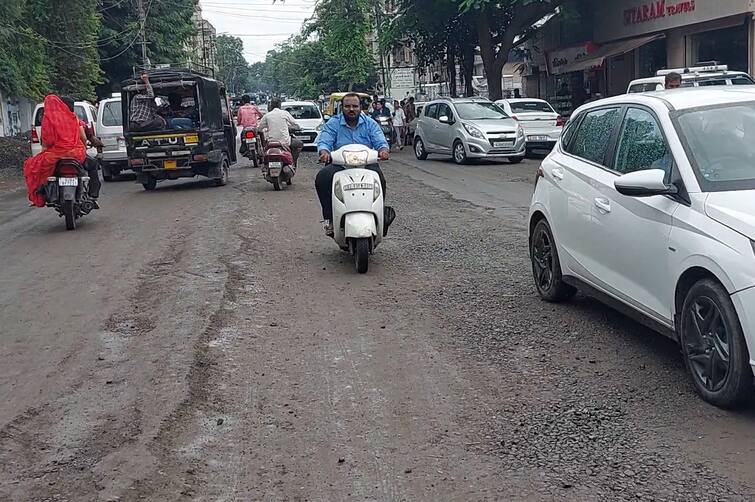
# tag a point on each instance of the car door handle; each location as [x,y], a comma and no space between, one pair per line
[603,204]
[558,173]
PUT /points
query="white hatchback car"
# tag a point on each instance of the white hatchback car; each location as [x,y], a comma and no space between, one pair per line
[541,123]
[648,203]
[308,115]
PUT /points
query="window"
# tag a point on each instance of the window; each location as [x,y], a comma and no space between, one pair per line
[445,111]
[93,111]
[741,80]
[431,111]
[111,114]
[303,111]
[593,135]
[641,144]
[646,87]
[480,111]
[38,116]
[81,113]
[531,106]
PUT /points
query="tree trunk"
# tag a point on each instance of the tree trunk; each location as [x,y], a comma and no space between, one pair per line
[451,68]
[494,56]
[468,58]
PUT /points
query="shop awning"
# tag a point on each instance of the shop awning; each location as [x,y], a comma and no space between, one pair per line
[609,50]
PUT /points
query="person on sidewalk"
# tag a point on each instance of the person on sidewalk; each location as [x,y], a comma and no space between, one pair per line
[399,123]
[349,127]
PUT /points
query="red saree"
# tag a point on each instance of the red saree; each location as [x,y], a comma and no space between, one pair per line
[60,136]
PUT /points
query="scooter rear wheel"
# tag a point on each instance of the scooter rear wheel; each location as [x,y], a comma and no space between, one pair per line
[362,255]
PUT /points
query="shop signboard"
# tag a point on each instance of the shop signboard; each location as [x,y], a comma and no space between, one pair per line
[630,18]
[559,60]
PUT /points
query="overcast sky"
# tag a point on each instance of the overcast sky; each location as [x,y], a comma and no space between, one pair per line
[259,23]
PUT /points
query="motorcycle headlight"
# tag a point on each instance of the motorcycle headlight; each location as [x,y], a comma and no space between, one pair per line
[375,191]
[338,190]
[473,131]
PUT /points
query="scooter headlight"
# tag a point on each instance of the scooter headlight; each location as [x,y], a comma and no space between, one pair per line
[338,190]
[375,191]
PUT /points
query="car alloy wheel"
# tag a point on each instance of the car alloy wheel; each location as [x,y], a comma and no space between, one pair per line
[460,155]
[708,348]
[542,260]
[419,149]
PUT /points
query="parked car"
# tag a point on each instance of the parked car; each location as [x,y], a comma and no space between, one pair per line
[468,128]
[699,76]
[647,202]
[309,117]
[542,125]
[83,109]
[114,158]
[412,125]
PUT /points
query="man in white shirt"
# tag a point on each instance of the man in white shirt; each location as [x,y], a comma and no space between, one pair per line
[399,123]
[276,124]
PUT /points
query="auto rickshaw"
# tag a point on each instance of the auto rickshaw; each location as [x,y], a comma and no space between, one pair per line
[203,146]
[334,101]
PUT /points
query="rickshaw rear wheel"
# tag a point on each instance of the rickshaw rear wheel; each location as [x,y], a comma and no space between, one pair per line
[224,172]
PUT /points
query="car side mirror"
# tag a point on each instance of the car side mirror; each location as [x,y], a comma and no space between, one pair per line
[326,117]
[445,120]
[645,183]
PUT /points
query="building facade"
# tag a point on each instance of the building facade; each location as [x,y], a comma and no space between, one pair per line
[203,51]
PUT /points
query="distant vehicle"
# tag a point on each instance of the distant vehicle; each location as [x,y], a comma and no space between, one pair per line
[696,76]
[542,125]
[207,148]
[412,125]
[334,102]
[114,157]
[262,107]
[84,110]
[309,117]
[648,203]
[468,128]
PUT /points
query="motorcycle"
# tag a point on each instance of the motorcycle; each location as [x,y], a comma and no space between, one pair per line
[68,192]
[252,140]
[357,197]
[277,165]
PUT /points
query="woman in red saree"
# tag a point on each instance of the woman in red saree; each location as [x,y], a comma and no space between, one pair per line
[60,140]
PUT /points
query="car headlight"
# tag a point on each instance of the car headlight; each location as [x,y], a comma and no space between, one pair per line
[473,131]
[338,190]
[318,128]
[519,132]
[375,191]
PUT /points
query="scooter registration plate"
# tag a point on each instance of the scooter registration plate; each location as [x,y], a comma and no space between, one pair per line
[68,182]
[358,186]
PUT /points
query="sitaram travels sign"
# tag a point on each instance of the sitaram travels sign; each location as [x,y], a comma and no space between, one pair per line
[622,19]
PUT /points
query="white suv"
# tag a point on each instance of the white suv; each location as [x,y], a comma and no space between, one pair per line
[648,202]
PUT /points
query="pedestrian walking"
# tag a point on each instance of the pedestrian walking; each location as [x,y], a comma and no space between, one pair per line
[399,123]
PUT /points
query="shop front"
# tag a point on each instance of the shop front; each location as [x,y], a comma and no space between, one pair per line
[672,34]
[567,88]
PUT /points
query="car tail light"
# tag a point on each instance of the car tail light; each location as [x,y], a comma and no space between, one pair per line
[136,162]
[560,121]
[200,158]
[34,137]
[68,171]
[249,135]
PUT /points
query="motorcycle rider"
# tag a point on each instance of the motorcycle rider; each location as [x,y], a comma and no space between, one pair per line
[248,116]
[277,123]
[90,164]
[349,127]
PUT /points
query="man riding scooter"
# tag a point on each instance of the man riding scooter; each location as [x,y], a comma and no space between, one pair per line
[348,127]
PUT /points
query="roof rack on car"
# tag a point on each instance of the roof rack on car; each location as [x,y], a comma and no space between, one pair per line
[702,67]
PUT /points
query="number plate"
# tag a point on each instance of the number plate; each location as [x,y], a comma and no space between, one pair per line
[170,164]
[275,164]
[537,138]
[68,182]
[502,144]
[251,140]
[358,186]
[303,138]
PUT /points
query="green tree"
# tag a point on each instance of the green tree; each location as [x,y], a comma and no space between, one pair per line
[23,69]
[232,67]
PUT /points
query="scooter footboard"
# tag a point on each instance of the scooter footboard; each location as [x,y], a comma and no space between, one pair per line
[359,225]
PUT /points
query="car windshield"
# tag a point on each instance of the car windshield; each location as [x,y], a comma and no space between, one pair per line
[303,111]
[111,114]
[720,143]
[480,111]
[530,106]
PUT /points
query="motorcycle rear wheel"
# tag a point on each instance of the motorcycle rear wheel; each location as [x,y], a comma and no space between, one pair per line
[276,184]
[69,213]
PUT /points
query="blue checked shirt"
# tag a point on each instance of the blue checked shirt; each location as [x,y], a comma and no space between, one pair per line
[336,133]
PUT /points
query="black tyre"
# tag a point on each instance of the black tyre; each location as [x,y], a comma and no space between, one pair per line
[288,182]
[459,152]
[362,255]
[224,173]
[276,184]
[69,213]
[150,184]
[515,160]
[714,347]
[419,149]
[546,267]
[255,160]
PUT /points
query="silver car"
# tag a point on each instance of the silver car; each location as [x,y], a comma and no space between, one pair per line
[468,128]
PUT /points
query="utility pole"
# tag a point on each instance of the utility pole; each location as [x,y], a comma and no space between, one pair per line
[143,23]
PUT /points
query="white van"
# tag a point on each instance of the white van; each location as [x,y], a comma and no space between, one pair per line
[83,109]
[114,158]
[696,76]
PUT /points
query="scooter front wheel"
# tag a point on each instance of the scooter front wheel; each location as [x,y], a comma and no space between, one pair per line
[362,255]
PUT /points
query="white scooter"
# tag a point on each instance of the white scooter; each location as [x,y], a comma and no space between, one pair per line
[357,196]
